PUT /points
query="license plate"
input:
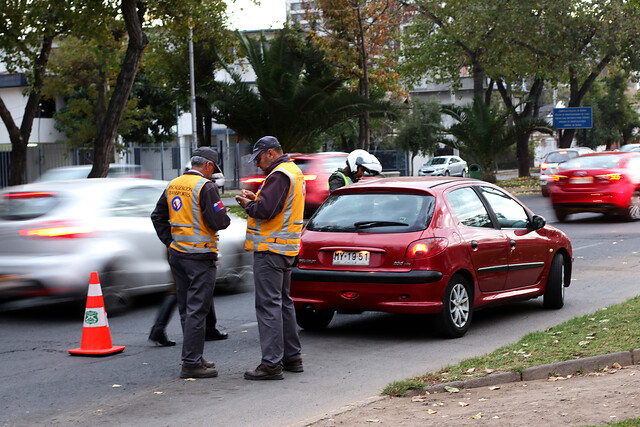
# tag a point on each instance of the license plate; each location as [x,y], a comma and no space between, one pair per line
[581,180]
[351,258]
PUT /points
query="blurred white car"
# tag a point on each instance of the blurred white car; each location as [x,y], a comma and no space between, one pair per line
[444,166]
[116,170]
[630,147]
[54,234]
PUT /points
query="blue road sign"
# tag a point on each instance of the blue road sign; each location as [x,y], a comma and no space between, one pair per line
[572,118]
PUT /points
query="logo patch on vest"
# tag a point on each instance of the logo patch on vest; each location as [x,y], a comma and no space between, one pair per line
[176,203]
[218,206]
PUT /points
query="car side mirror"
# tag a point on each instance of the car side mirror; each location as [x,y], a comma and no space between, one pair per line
[538,222]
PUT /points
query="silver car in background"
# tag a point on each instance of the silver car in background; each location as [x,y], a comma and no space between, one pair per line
[54,234]
[553,159]
[444,166]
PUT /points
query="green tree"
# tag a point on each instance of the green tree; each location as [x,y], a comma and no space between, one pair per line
[614,118]
[297,96]
[420,130]
[361,38]
[482,133]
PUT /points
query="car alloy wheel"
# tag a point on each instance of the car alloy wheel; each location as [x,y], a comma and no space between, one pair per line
[634,206]
[455,318]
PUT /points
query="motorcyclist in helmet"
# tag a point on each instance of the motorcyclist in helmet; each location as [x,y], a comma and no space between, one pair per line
[359,162]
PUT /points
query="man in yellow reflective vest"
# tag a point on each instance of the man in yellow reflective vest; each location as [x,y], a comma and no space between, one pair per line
[186,218]
[273,234]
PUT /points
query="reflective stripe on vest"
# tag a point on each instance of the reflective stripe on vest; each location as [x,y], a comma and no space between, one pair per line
[193,236]
[280,234]
[347,180]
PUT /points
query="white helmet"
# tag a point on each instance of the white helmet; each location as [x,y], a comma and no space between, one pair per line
[367,161]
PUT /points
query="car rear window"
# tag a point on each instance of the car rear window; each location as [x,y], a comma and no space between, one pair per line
[17,206]
[594,162]
[560,156]
[374,213]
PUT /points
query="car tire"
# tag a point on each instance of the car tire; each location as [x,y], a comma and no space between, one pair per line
[554,293]
[633,212]
[114,289]
[465,173]
[313,320]
[455,318]
[561,214]
[545,192]
[446,173]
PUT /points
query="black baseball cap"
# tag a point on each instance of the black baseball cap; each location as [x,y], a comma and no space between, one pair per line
[209,154]
[263,144]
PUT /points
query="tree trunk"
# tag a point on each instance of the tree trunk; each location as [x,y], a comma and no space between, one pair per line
[20,136]
[133,13]
[365,119]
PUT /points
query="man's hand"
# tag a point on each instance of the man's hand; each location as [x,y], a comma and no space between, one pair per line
[248,195]
[242,201]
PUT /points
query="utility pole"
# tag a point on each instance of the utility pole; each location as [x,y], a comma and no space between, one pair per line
[194,130]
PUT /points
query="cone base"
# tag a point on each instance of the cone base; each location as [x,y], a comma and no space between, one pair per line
[101,352]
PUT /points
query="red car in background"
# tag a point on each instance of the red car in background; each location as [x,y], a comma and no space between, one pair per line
[316,167]
[607,182]
[426,245]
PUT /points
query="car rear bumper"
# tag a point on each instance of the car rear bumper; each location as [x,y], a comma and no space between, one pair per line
[589,201]
[414,292]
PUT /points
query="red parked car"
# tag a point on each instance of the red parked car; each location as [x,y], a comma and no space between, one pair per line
[444,246]
[316,167]
[607,182]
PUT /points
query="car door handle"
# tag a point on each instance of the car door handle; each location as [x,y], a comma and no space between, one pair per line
[474,244]
[512,243]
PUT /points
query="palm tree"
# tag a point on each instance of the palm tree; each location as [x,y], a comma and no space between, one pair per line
[482,133]
[298,95]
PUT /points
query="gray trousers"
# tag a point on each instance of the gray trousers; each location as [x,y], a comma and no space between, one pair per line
[276,316]
[195,280]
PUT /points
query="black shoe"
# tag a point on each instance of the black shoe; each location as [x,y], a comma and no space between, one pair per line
[293,366]
[159,337]
[215,335]
[198,372]
[263,372]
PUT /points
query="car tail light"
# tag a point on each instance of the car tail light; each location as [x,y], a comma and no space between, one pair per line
[610,177]
[254,180]
[558,178]
[543,166]
[310,177]
[57,230]
[29,195]
[426,247]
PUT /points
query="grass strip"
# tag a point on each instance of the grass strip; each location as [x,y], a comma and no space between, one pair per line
[608,330]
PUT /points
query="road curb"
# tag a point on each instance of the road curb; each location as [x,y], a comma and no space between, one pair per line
[564,368]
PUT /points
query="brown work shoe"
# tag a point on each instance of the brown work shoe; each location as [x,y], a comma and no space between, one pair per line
[263,372]
[208,364]
[197,372]
[293,366]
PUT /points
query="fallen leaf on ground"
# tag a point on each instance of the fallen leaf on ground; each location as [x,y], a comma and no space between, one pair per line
[489,371]
[470,370]
[583,343]
[116,385]
[616,366]
[189,379]
[431,411]
[373,420]
[463,404]
[476,416]
[418,399]
[494,387]
[452,389]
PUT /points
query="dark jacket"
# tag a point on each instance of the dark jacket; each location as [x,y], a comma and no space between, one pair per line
[273,193]
[209,196]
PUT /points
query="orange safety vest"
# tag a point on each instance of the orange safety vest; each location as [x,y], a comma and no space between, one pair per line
[280,234]
[189,230]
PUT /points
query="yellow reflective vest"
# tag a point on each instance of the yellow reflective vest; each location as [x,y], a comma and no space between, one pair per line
[280,234]
[189,231]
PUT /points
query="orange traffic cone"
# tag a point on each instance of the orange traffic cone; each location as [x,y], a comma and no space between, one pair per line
[96,338]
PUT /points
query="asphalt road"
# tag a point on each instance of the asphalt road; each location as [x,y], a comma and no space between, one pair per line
[41,384]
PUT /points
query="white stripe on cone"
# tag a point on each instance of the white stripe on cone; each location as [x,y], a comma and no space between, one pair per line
[94,290]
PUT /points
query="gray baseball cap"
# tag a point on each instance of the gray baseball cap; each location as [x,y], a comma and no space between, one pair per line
[209,154]
[263,144]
